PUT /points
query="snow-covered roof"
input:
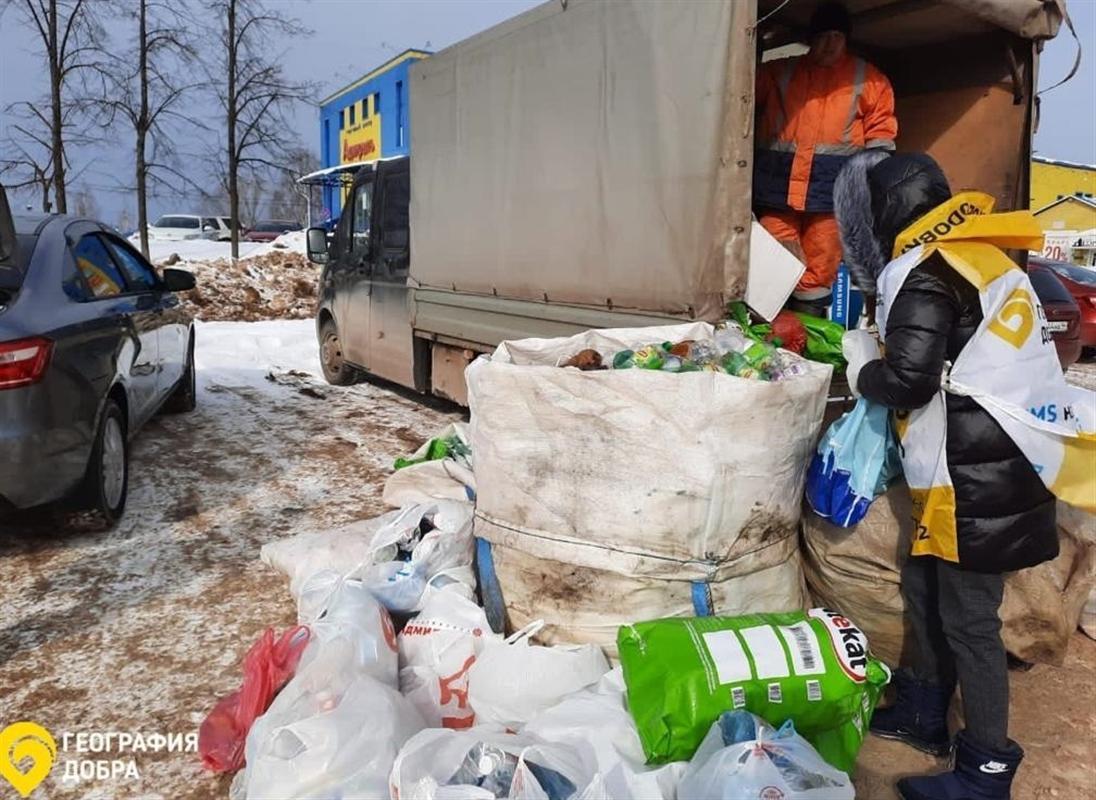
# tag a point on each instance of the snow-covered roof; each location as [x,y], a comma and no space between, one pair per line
[1059,163]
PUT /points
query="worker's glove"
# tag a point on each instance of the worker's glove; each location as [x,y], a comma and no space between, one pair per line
[859,347]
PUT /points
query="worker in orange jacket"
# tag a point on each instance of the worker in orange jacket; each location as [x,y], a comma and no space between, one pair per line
[814,112]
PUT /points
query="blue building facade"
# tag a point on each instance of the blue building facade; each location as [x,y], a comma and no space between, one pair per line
[366,120]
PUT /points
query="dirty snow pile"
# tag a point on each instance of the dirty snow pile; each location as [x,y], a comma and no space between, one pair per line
[275,283]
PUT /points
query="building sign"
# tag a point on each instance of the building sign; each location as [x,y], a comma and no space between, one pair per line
[361,141]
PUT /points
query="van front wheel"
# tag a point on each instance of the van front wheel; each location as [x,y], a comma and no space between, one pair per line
[335,368]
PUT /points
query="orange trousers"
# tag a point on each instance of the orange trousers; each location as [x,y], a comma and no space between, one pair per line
[816,234]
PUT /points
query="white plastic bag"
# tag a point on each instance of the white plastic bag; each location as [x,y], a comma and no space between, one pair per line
[512,681]
[596,721]
[337,550]
[447,549]
[486,763]
[760,760]
[345,611]
[333,731]
[437,651]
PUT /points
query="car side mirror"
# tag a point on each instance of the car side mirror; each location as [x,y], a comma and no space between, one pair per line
[316,245]
[7,227]
[209,229]
[178,280]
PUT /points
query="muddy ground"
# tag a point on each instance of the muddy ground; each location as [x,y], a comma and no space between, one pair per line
[142,628]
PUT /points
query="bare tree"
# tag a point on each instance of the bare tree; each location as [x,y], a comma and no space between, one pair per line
[257,94]
[146,88]
[289,200]
[72,48]
[34,167]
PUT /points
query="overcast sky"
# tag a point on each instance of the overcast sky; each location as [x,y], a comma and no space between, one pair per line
[353,36]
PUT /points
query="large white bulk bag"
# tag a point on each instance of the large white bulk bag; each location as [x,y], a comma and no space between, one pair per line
[624,488]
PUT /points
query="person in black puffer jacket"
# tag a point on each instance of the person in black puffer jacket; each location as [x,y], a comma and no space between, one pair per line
[1005,516]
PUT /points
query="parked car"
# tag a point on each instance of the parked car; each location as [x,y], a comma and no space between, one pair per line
[1063,315]
[93,342]
[176,227]
[219,229]
[1080,282]
[270,229]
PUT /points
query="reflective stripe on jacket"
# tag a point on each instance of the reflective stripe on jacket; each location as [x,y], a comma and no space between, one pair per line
[810,120]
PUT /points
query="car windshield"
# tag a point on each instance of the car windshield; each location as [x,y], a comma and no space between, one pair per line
[1082,275]
[176,222]
[1048,287]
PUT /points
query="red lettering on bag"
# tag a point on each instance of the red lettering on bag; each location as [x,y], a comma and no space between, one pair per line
[451,692]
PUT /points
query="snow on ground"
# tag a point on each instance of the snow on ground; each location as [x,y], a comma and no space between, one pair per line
[205,250]
[142,629]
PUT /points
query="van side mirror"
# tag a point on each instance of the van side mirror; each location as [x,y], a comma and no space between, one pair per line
[316,245]
[178,280]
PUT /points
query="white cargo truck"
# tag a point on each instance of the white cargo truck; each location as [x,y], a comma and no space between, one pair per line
[589,164]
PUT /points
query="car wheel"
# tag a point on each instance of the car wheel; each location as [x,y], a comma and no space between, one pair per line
[185,395]
[335,369]
[107,481]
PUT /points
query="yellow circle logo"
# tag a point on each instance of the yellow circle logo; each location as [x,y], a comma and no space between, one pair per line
[22,741]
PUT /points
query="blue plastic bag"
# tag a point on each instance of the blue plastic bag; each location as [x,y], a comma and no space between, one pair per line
[857,459]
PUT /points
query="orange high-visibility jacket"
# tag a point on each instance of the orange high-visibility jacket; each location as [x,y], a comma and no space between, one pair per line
[810,120]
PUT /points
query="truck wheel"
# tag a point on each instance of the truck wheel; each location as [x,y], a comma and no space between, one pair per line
[335,369]
[107,480]
[185,395]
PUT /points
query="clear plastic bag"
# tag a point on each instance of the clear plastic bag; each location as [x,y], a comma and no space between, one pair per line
[489,763]
[512,681]
[744,756]
[596,721]
[413,549]
[334,731]
[345,611]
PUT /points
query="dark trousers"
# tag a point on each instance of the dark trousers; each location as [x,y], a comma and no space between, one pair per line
[957,637]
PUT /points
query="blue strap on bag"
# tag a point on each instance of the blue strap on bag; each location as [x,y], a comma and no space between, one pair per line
[856,460]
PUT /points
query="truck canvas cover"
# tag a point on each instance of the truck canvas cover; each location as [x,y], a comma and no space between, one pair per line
[570,155]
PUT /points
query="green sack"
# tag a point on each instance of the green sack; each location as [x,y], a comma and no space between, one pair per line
[813,668]
[823,335]
[823,340]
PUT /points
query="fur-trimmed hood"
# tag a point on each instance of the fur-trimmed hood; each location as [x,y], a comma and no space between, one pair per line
[876,196]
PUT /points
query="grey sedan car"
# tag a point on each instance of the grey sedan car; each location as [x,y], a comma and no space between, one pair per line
[93,342]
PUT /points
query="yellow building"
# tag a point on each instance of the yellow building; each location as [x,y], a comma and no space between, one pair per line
[1070,213]
[1052,180]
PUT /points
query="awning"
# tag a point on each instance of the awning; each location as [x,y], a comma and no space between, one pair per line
[340,175]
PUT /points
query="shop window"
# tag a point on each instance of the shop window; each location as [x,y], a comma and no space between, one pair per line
[376,102]
[353,108]
[342,115]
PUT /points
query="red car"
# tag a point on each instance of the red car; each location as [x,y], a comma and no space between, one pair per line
[1081,283]
[1063,315]
[269,230]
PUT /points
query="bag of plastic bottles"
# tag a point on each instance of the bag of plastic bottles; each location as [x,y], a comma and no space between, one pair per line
[857,459]
[743,756]
[334,731]
[486,763]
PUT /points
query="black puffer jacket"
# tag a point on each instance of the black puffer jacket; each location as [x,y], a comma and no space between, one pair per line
[1004,513]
